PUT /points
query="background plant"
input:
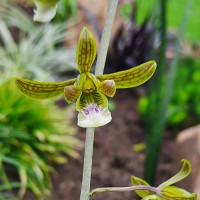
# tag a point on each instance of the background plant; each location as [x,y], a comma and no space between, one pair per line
[184,108]
[66,9]
[161,86]
[36,51]
[34,135]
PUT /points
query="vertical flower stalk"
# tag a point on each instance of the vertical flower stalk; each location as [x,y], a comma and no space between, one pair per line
[87,166]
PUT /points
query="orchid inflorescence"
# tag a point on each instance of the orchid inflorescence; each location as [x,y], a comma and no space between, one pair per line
[89,91]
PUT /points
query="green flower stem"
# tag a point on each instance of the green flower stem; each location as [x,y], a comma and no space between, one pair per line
[110,16]
[124,189]
[87,166]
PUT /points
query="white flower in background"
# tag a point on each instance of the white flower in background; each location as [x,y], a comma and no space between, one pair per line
[93,115]
[45,10]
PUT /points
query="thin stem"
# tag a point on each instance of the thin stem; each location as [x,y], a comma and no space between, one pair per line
[87,166]
[124,189]
[110,16]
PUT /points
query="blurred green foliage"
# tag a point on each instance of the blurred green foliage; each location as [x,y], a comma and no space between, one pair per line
[33,134]
[125,10]
[175,11]
[66,9]
[185,103]
[34,51]
[184,107]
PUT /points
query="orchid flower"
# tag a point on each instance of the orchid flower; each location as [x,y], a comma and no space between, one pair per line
[89,91]
[165,191]
[45,10]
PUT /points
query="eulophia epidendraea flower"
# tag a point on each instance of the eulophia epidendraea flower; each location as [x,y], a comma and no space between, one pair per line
[89,91]
[166,191]
[45,10]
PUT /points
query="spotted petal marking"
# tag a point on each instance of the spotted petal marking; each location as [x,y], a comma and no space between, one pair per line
[42,90]
[72,93]
[107,87]
[86,51]
[131,77]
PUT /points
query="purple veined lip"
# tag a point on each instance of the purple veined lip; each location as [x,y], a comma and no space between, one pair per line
[92,109]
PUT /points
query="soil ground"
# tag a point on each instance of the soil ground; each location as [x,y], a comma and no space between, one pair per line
[114,160]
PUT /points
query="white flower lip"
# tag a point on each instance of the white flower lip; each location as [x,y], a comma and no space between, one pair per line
[93,115]
[44,12]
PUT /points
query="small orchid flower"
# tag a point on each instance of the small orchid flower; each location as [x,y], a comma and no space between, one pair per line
[165,191]
[45,10]
[89,91]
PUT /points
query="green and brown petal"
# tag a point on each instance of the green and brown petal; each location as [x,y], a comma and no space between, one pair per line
[132,77]
[72,93]
[107,87]
[86,51]
[42,90]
